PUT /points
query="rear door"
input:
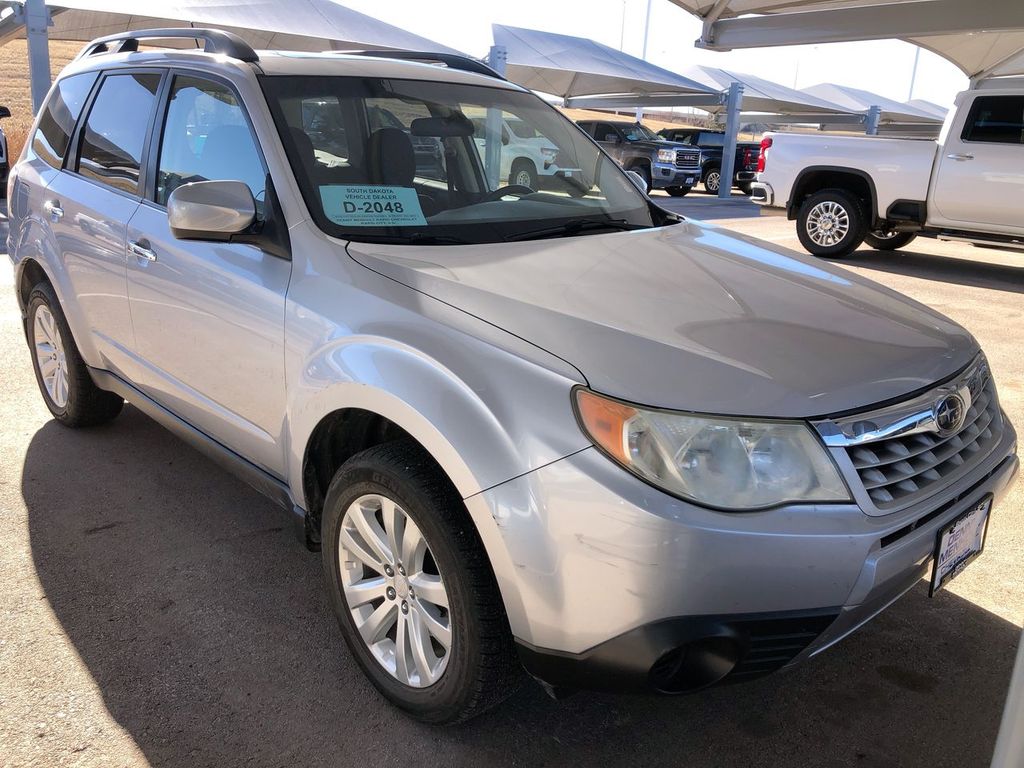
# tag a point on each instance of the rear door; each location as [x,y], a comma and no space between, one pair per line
[979,181]
[209,316]
[89,203]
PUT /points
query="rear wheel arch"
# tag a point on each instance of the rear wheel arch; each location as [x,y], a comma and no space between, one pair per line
[814,179]
[30,274]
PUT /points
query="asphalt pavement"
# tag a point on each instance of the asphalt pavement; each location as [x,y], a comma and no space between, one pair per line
[156,611]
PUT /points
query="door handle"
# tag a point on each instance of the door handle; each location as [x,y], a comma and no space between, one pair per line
[52,207]
[960,157]
[140,249]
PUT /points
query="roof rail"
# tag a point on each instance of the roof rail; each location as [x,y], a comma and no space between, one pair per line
[451,60]
[214,41]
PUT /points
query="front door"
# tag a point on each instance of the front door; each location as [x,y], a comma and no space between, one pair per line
[209,316]
[979,182]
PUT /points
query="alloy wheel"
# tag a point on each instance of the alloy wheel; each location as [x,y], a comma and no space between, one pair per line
[712,181]
[524,179]
[828,223]
[50,356]
[394,591]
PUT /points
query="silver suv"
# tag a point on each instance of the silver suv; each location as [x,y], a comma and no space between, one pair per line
[562,430]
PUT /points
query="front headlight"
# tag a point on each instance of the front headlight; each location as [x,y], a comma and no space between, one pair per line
[718,461]
[666,155]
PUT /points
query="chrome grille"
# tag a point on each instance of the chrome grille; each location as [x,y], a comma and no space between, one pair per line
[895,470]
[900,455]
[685,159]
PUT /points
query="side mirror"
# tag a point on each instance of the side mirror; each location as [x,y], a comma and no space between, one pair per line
[4,112]
[612,138]
[638,181]
[210,210]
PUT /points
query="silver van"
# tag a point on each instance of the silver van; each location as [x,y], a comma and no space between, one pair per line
[562,430]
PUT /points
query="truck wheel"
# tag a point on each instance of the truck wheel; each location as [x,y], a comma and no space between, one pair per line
[645,172]
[881,240]
[523,174]
[63,377]
[712,180]
[678,191]
[831,223]
[413,592]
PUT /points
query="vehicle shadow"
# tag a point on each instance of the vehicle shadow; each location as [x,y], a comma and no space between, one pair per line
[203,623]
[945,269]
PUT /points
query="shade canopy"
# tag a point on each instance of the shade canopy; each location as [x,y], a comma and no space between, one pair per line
[573,66]
[984,38]
[304,25]
[858,100]
[760,96]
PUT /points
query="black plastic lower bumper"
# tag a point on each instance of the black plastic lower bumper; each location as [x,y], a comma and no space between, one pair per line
[683,654]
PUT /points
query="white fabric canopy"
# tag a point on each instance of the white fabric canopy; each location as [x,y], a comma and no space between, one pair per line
[306,25]
[857,100]
[984,38]
[764,96]
[573,66]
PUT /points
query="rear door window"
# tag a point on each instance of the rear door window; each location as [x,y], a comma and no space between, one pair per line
[996,120]
[57,122]
[116,128]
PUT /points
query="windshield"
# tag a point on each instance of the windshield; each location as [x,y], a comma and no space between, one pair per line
[433,162]
[640,132]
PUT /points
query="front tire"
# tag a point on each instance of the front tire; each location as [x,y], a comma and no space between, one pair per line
[831,223]
[678,191]
[413,592]
[881,240]
[524,174]
[645,173]
[63,377]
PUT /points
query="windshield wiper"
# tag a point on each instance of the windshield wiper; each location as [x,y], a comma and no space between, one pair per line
[416,238]
[573,227]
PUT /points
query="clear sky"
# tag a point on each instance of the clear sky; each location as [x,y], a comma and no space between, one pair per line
[883,67]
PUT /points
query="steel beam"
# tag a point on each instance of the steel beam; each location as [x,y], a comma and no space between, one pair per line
[874,116]
[875,22]
[733,104]
[631,100]
[497,59]
[37,22]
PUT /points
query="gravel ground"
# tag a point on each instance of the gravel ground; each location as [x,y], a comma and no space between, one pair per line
[155,611]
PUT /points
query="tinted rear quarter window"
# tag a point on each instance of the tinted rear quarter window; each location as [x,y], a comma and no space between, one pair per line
[115,130]
[60,114]
[996,120]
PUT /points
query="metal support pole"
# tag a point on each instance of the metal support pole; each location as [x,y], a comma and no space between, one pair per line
[37,19]
[647,34]
[733,104]
[498,61]
[873,118]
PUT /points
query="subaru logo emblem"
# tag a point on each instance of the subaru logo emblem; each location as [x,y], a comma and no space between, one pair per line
[950,413]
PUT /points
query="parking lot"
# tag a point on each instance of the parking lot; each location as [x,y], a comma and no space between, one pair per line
[155,610]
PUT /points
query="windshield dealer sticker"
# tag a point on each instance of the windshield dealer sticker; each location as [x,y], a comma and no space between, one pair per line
[369,206]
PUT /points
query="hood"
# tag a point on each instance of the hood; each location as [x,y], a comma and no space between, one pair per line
[695,317]
[662,144]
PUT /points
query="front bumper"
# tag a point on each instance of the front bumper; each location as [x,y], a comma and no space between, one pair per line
[666,175]
[616,586]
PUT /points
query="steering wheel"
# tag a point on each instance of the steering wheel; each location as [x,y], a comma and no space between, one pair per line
[511,189]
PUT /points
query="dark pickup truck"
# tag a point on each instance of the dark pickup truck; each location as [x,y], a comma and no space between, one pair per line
[663,164]
[710,144]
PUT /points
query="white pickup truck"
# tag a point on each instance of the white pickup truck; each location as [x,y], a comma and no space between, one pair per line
[845,190]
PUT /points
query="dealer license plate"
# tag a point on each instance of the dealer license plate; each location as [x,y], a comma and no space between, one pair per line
[958,543]
[689,180]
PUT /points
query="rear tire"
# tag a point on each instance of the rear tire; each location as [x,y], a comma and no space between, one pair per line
[678,191]
[882,241]
[436,684]
[63,377]
[831,223]
[712,180]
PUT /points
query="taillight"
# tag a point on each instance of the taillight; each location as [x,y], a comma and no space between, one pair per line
[766,142]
